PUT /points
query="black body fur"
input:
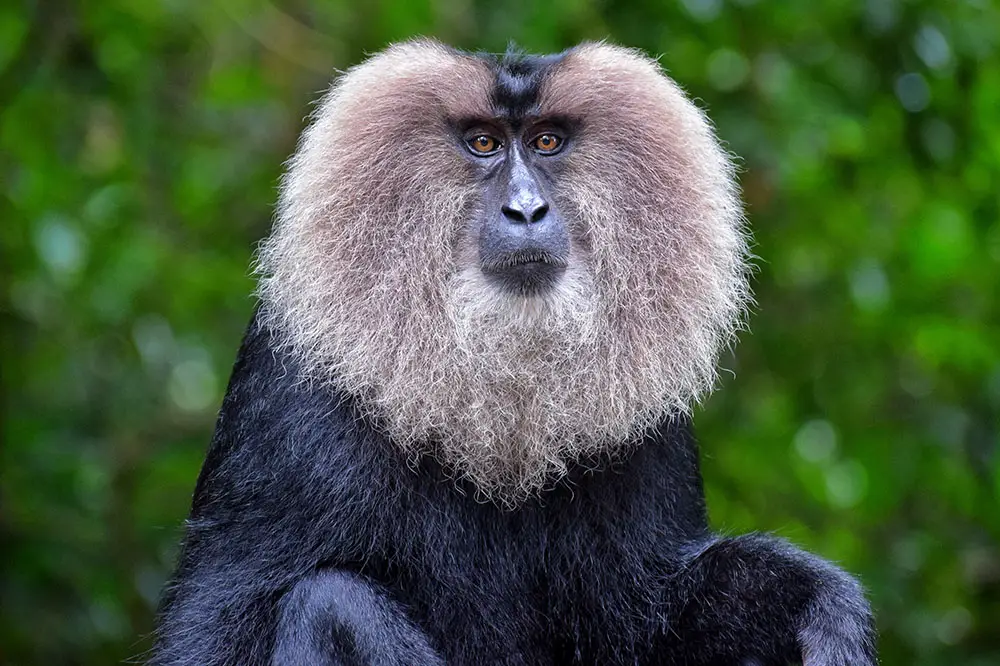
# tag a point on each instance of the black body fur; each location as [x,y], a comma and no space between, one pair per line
[311,541]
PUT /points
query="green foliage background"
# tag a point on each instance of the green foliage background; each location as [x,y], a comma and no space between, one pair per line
[140,143]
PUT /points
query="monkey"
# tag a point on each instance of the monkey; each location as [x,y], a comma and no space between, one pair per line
[459,426]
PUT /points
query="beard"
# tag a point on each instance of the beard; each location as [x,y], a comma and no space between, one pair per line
[503,389]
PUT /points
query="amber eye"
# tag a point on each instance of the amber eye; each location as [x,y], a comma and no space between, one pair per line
[548,143]
[483,144]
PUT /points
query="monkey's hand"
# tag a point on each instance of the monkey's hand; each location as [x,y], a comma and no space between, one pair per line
[756,599]
[335,618]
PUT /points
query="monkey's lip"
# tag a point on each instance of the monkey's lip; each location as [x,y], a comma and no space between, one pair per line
[526,272]
[517,258]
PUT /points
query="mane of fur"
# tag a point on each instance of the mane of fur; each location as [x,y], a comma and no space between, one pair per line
[372,278]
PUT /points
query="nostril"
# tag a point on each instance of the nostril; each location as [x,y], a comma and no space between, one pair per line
[529,216]
[539,212]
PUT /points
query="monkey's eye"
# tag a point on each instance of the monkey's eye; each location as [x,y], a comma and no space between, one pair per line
[483,144]
[547,144]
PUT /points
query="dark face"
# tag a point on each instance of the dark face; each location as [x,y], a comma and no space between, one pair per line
[523,242]
[516,155]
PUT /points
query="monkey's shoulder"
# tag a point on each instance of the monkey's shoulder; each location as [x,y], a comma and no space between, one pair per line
[280,436]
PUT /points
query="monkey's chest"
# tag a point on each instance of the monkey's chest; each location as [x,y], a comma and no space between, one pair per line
[533,596]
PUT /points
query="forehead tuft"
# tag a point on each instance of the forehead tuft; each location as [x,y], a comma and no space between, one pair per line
[517,81]
[587,79]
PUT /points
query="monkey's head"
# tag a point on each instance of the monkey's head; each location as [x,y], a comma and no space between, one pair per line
[511,262]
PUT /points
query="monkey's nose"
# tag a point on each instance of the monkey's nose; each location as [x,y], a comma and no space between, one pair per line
[525,211]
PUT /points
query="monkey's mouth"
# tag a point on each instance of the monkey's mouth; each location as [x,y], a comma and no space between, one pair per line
[527,271]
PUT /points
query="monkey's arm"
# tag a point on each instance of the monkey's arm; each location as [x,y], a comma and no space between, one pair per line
[292,483]
[336,617]
[757,600]
[331,618]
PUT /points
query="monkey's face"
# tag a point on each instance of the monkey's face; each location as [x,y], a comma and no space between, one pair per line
[523,242]
[508,262]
